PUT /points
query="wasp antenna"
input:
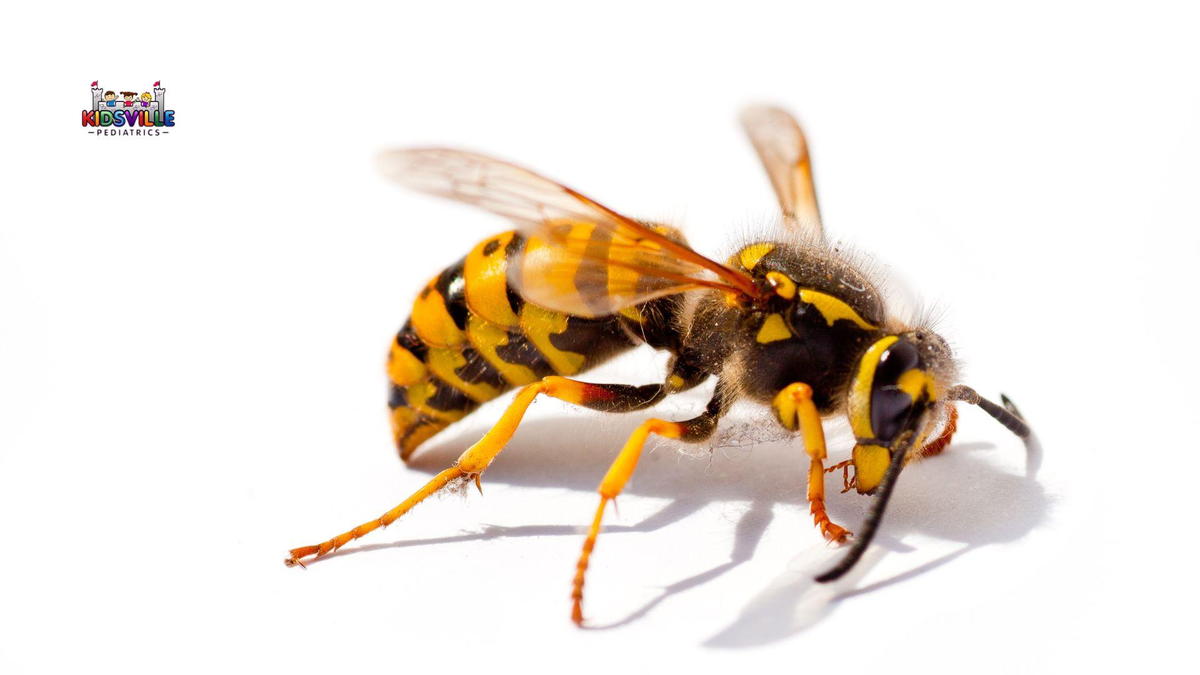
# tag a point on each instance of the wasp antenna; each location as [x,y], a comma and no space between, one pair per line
[862,539]
[1012,407]
[1008,415]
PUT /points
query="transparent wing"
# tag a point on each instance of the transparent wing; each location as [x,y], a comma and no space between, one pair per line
[581,257]
[780,144]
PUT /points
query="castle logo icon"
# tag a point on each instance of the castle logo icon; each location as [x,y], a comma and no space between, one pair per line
[128,113]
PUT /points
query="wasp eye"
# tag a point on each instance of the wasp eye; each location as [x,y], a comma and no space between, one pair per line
[891,406]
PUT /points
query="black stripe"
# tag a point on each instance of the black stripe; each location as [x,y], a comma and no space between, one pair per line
[520,352]
[407,338]
[512,254]
[446,397]
[451,284]
[591,278]
[398,397]
[588,336]
[477,370]
[422,420]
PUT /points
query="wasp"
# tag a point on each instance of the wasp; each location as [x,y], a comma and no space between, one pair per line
[790,322]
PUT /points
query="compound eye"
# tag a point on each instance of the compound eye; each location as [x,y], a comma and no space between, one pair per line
[890,405]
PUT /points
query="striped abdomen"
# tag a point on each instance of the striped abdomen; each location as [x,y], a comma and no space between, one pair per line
[471,337]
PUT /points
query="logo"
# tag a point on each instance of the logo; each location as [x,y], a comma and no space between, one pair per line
[128,113]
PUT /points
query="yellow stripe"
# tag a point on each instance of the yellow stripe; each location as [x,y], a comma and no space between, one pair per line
[622,281]
[549,269]
[750,255]
[423,432]
[538,325]
[411,429]
[403,367]
[486,337]
[402,420]
[860,391]
[486,278]
[833,309]
[443,363]
[773,329]
[432,322]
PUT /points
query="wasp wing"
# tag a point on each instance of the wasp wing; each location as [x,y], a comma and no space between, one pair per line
[581,258]
[780,144]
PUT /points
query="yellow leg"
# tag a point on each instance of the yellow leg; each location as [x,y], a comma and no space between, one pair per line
[795,409]
[614,481]
[472,463]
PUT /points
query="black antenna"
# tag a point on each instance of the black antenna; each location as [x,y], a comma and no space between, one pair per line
[874,517]
[1008,415]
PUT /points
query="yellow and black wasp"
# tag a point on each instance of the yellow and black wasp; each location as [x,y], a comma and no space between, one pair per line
[789,322]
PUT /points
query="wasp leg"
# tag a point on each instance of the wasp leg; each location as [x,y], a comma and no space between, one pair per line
[472,463]
[937,445]
[691,431]
[795,409]
[847,481]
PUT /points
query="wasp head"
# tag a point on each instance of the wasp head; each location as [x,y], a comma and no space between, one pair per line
[896,398]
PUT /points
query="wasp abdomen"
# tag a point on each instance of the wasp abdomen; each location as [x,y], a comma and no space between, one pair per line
[471,337]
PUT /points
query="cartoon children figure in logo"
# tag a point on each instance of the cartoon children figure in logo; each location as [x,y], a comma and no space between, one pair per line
[146,98]
[110,99]
[129,96]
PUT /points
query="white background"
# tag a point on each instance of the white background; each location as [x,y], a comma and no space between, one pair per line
[193,329]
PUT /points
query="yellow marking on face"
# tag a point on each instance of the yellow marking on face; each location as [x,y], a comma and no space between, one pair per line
[870,464]
[418,396]
[486,274]
[432,322]
[914,382]
[403,367]
[538,325]
[860,392]
[773,329]
[486,338]
[749,256]
[675,383]
[443,363]
[832,308]
[783,285]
